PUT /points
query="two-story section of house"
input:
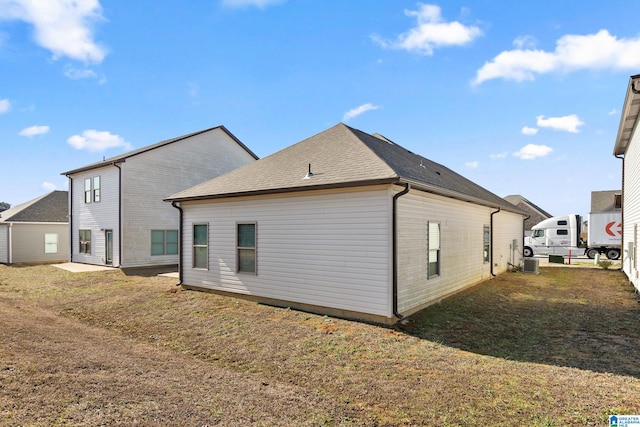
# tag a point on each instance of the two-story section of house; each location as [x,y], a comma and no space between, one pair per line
[117,216]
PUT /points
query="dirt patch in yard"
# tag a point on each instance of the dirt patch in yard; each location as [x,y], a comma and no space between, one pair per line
[108,348]
[57,371]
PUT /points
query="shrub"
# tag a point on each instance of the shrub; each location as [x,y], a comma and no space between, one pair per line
[605,264]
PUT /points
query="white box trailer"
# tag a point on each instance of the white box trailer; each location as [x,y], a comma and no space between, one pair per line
[604,234]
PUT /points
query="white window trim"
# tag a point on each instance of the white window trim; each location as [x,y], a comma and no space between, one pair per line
[194,246]
[254,248]
[438,250]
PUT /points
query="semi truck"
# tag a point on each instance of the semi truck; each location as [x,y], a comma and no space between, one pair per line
[561,235]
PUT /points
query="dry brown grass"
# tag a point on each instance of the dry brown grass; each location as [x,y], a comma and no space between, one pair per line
[108,348]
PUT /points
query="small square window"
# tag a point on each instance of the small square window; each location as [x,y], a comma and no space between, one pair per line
[51,243]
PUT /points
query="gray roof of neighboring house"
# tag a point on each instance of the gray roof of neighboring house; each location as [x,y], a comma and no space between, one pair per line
[121,157]
[342,157]
[516,199]
[51,207]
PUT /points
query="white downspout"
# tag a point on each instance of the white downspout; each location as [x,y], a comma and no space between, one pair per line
[10,246]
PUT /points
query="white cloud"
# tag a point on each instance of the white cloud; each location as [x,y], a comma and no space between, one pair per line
[499,155]
[94,140]
[613,112]
[532,151]
[48,186]
[526,130]
[472,165]
[34,130]
[5,106]
[565,123]
[525,42]
[573,52]
[261,4]
[430,32]
[77,73]
[63,27]
[359,110]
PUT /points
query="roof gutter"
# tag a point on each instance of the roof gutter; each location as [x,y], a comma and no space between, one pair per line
[394,246]
[180,263]
[491,242]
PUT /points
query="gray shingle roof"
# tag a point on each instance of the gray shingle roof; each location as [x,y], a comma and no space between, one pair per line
[128,154]
[51,207]
[342,157]
[516,199]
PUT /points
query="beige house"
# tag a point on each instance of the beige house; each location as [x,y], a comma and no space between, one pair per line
[36,231]
[345,223]
[118,217]
[606,201]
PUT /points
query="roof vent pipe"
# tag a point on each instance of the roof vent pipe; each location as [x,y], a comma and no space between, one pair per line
[309,174]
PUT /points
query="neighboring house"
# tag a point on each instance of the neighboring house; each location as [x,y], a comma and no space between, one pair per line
[36,231]
[536,214]
[348,224]
[605,201]
[627,148]
[118,217]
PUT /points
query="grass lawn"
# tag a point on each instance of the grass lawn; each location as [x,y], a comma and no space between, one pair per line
[111,348]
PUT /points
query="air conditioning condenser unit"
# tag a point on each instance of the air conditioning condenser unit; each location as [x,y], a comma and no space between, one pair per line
[530,265]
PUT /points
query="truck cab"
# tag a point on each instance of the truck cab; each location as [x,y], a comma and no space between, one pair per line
[559,235]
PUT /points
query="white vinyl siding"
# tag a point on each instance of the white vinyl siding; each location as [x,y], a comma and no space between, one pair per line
[324,248]
[96,217]
[150,177]
[147,179]
[631,209]
[461,243]
[4,243]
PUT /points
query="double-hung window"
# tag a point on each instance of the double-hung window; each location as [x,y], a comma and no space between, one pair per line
[246,247]
[164,242]
[50,243]
[87,190]
[92,189]
[96,188]
[433,249]
[85,241]
[201,246]
[486,241]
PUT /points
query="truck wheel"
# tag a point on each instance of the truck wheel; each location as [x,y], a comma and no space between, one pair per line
[591,253]
[528,252]
[613,253]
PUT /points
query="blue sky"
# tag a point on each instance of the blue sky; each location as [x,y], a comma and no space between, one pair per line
[520,97]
